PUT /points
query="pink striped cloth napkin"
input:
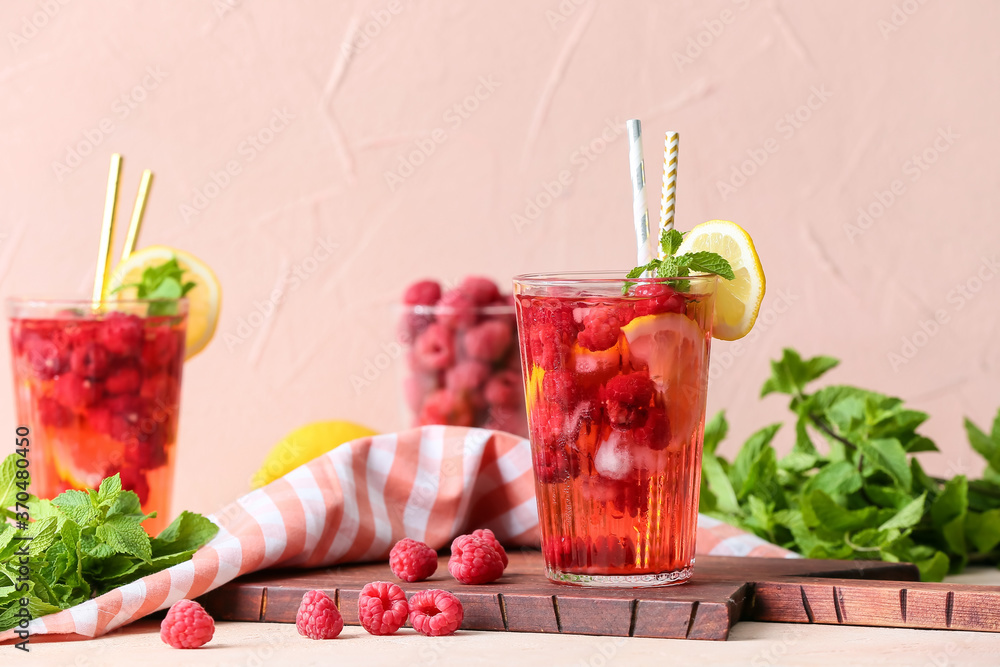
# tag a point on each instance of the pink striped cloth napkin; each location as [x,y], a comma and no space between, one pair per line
[352,505]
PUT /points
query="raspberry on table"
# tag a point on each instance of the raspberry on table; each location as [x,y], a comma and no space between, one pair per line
[600,329]
[422,293]
[318,617]
[411,560]
[382,607]
[90,360]
[434,349]
[487,534]
[435,612]
[489,341]
[474,560]
[187,625]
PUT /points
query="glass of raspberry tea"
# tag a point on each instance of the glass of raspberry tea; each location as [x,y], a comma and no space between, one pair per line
[616,376]
[462,363]
[99,387]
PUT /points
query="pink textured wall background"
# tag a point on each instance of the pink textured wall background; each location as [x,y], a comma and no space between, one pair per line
[179,89]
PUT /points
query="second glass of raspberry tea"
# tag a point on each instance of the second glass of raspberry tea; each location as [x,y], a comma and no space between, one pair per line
[99,387]
[616,378]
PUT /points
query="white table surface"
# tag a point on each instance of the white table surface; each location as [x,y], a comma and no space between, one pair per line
[754,644]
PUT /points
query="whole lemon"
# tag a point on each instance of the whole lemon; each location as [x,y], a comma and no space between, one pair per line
[303,445]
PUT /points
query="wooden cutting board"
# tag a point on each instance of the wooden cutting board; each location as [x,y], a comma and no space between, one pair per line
[722,592]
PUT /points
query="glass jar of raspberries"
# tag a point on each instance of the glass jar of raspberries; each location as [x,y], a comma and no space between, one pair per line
[98,385]
[463,366]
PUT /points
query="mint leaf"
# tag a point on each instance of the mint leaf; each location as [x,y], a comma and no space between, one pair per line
[888,455]
[715,477]
[125,536]
[987,446]
[76,506]
[109,490]
[715,431]
[982,530]
[674,266]
[832,516]
[707,262]
[907,517]
[8,482]
[791,374]
[188,531]
[670,241]
[996,428]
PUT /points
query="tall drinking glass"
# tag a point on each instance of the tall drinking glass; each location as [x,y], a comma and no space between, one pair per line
[98,385]
[616,376]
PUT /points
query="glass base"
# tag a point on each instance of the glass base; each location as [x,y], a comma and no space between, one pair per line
[672,578]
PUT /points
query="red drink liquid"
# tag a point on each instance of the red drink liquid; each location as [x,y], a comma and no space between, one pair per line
[100,392]
[616,388]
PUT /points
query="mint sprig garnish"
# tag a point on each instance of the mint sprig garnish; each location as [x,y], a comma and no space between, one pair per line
[673,265]
[84,543]
[852,486]
[163,281]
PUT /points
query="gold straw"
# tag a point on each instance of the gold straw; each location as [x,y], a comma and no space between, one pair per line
[107,228]
[667,195]
[137,211]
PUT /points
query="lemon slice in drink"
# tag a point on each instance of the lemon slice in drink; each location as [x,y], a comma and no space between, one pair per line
[737,301]
[204,299]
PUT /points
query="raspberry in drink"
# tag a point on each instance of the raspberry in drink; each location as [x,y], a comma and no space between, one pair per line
[616,387]
[100,391]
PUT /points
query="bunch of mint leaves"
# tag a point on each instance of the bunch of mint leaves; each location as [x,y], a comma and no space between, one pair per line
[163,281]
[676,266]
[852,487]
[84,543]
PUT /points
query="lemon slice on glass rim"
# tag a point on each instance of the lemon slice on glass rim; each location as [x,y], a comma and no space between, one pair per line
[737,301]
[204,300]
